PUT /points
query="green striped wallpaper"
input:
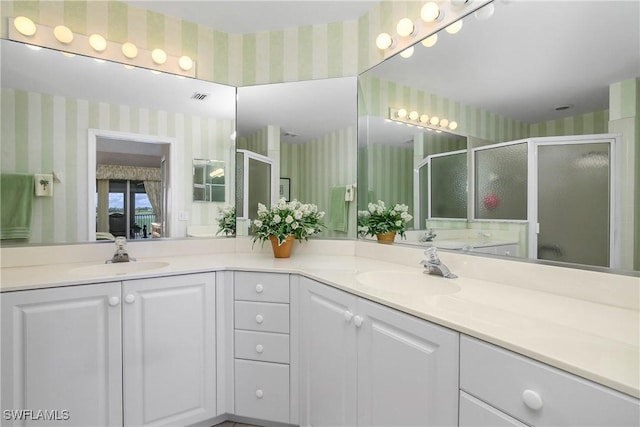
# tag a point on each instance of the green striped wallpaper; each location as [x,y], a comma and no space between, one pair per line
[590,123]
[257,142]
[319,165]
[43,133]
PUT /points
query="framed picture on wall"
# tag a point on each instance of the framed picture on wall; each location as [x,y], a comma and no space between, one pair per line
[285,189]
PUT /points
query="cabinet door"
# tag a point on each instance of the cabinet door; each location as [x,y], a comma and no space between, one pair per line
[61,352]
[475,413]
[169,350]
[407,370]
[327,356]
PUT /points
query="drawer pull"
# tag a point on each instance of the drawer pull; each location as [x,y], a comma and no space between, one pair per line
[532,399]
[113,301]
[259,348]
[259,394]
[259,318]
[358,321]
[259,288]
[348,316]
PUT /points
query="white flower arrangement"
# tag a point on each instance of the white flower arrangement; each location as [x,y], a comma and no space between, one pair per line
[293,218]
[227,221]
[379,219]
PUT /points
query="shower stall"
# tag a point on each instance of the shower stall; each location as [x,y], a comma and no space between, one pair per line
[255,183]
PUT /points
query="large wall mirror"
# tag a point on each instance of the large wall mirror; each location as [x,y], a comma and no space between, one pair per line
[301,138]
[118,142]
[509,133]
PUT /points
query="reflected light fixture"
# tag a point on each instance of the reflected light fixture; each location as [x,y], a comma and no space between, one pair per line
[159,56]
[402,113]
[424,118]
[407,53]
[430,41]
[454,28]
[453,125]
[384,41]
[97,42]
[129,50]
[63,34]
[485,12]
[430,12]
[413,115]
[444,123]
[434,120]
[25,26]
[185,63]
[405,27]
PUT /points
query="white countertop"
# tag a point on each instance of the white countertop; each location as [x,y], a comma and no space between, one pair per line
[584,336]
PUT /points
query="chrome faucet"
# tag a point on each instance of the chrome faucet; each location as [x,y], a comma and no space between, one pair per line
[121,254]
[433,265]
[428,236]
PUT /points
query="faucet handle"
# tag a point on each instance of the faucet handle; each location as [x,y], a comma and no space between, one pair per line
[432,255]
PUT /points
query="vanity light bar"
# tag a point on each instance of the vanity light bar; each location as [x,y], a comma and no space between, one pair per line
[414,118]
[24,30]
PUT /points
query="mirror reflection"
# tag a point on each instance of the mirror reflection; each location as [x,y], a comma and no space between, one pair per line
[301,135]
[118,143]
[518,102]
[208,181]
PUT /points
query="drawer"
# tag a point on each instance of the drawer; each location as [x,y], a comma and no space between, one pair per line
[268,287]
[262,390]
[262,316]
[475,413]
[538,394]
[262,346]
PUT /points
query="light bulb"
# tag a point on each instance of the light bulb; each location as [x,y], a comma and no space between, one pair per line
[444,123]
[454,28]
[63,34]
[384,41]
[424,118]
[430,41]
[453,125]
[402,113]
[159,56]
[407,53]
[434,120]
[185,63]
[129,50]
[430,12]
[405,27]
[97,42]
[25,26]
[413,115]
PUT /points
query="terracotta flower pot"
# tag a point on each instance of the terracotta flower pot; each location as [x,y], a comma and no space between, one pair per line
[386,238]
[283,250]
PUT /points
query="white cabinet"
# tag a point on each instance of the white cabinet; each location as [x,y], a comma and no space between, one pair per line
[261,343]
[538,394]
[149,344]
[61,351]
[476,413]
[169,337]
[365,364]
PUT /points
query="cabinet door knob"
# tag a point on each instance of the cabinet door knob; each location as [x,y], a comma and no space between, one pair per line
[348,316]
[259,318]
[259,288]
[259,394]
[130,298]
[113,301]
[357,320]
[259,348]
[532,399]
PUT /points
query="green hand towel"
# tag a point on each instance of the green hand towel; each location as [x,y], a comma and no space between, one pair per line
[16,199]
[337,210]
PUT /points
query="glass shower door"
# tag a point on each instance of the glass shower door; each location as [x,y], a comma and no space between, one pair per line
[574,199]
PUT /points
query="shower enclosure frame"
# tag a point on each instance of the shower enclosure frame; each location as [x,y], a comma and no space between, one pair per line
[243,211]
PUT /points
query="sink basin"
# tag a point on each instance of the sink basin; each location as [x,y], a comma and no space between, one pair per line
[118,269]
[407,283]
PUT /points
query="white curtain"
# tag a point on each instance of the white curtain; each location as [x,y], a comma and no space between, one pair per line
[154,192]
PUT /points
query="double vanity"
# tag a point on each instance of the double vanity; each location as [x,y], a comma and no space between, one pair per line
[342,333]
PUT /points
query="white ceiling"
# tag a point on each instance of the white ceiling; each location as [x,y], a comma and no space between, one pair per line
[243,16]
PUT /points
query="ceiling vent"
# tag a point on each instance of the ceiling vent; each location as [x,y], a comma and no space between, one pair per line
[199,96]
[290,134]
